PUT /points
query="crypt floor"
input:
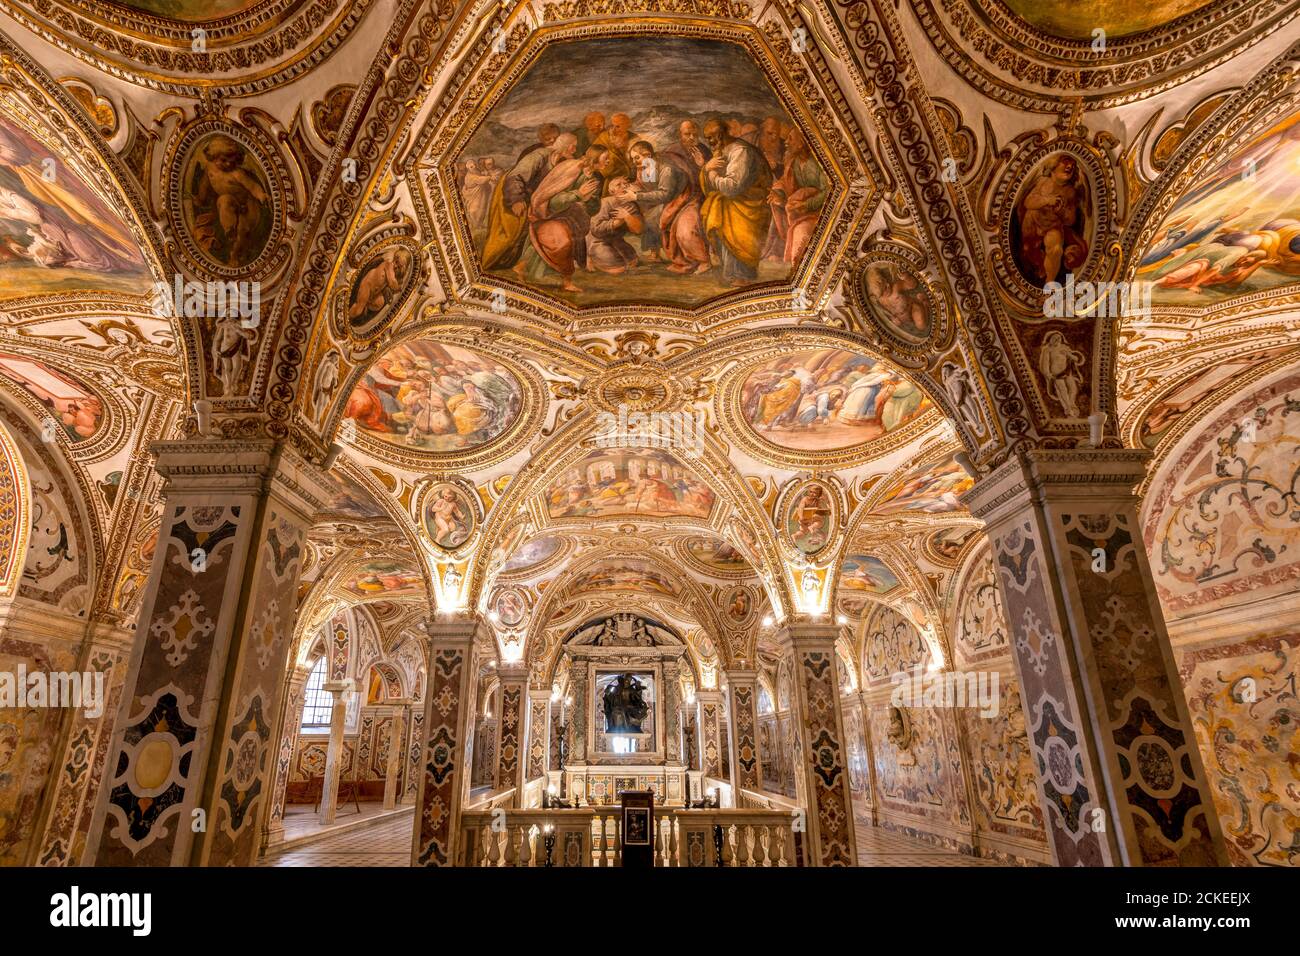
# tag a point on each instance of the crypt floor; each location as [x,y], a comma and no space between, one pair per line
[389,844]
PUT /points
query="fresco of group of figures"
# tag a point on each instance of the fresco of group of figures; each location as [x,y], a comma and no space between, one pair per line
[427,396]
[629,481]
[827,399]
[599,182]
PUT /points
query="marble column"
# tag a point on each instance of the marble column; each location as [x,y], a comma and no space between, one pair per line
[1120,777]
[873,798]
[539,736]
[710,707]
[329,801]
[444,772]
[288,728]
[191,762]
[393,764]
[823,757]
[510,732]
[742,700]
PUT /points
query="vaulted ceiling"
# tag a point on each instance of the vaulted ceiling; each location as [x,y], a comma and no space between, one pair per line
[539,416]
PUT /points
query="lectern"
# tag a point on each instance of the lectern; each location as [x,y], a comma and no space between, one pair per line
[638,828]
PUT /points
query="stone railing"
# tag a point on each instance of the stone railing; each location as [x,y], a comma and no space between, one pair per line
[590,836]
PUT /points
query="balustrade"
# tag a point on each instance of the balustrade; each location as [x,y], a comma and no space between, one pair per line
[591,836]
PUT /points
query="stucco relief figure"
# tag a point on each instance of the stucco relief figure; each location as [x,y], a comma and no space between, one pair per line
[232,346]
[957,383]
[1052,222]
[1060,367]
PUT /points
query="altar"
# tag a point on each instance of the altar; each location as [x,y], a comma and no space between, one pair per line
[623,730]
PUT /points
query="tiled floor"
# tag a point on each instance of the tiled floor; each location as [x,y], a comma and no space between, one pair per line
[302,820]
[878,847]
[382,844]
[389,844]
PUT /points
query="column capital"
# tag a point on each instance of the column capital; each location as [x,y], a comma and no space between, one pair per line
[708,696]
[452,630]
[741,676]
[337,687]
[818,633]
[1066,474]
[513,673]
[233,466]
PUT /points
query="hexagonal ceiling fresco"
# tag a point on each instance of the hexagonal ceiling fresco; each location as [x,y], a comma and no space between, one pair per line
[652,170]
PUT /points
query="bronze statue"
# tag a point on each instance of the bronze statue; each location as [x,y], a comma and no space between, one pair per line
[625,706]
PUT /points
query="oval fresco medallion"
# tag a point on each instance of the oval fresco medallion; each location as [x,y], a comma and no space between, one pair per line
[1053,221]
[810,517]
[228,205]
[381,285]
[510,607]
[449,515]
[826,400]
[899,300]
[426,396]
[739,605]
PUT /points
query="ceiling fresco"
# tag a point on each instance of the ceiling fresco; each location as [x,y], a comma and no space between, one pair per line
[828,399]
[722,313]
[56,235]
[1116,17]
[1237,230]
[648,169]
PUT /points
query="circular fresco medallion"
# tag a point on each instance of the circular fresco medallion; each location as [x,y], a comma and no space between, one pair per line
[425,396]
[827,399]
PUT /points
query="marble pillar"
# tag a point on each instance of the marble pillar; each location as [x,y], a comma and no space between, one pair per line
[822,761]
[1120,776]
[742,698]
[510,732]
[444,772]
[393,763]
[329,801]
[192,758]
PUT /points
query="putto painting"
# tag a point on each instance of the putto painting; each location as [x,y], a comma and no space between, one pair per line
[76,408]
[827,399]
[1117,17]
[434,397]
[1051,223]
[898,299]
[55,234]
[226,201]
[641,169]
[378,288]
[510,607]
[448,516]
[932,490]
[629,481]
[865,572]
[1237,230]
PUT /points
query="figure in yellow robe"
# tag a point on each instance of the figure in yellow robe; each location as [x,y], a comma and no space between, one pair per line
[735,214]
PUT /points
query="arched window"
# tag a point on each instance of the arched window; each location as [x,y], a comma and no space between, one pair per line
[317,704]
